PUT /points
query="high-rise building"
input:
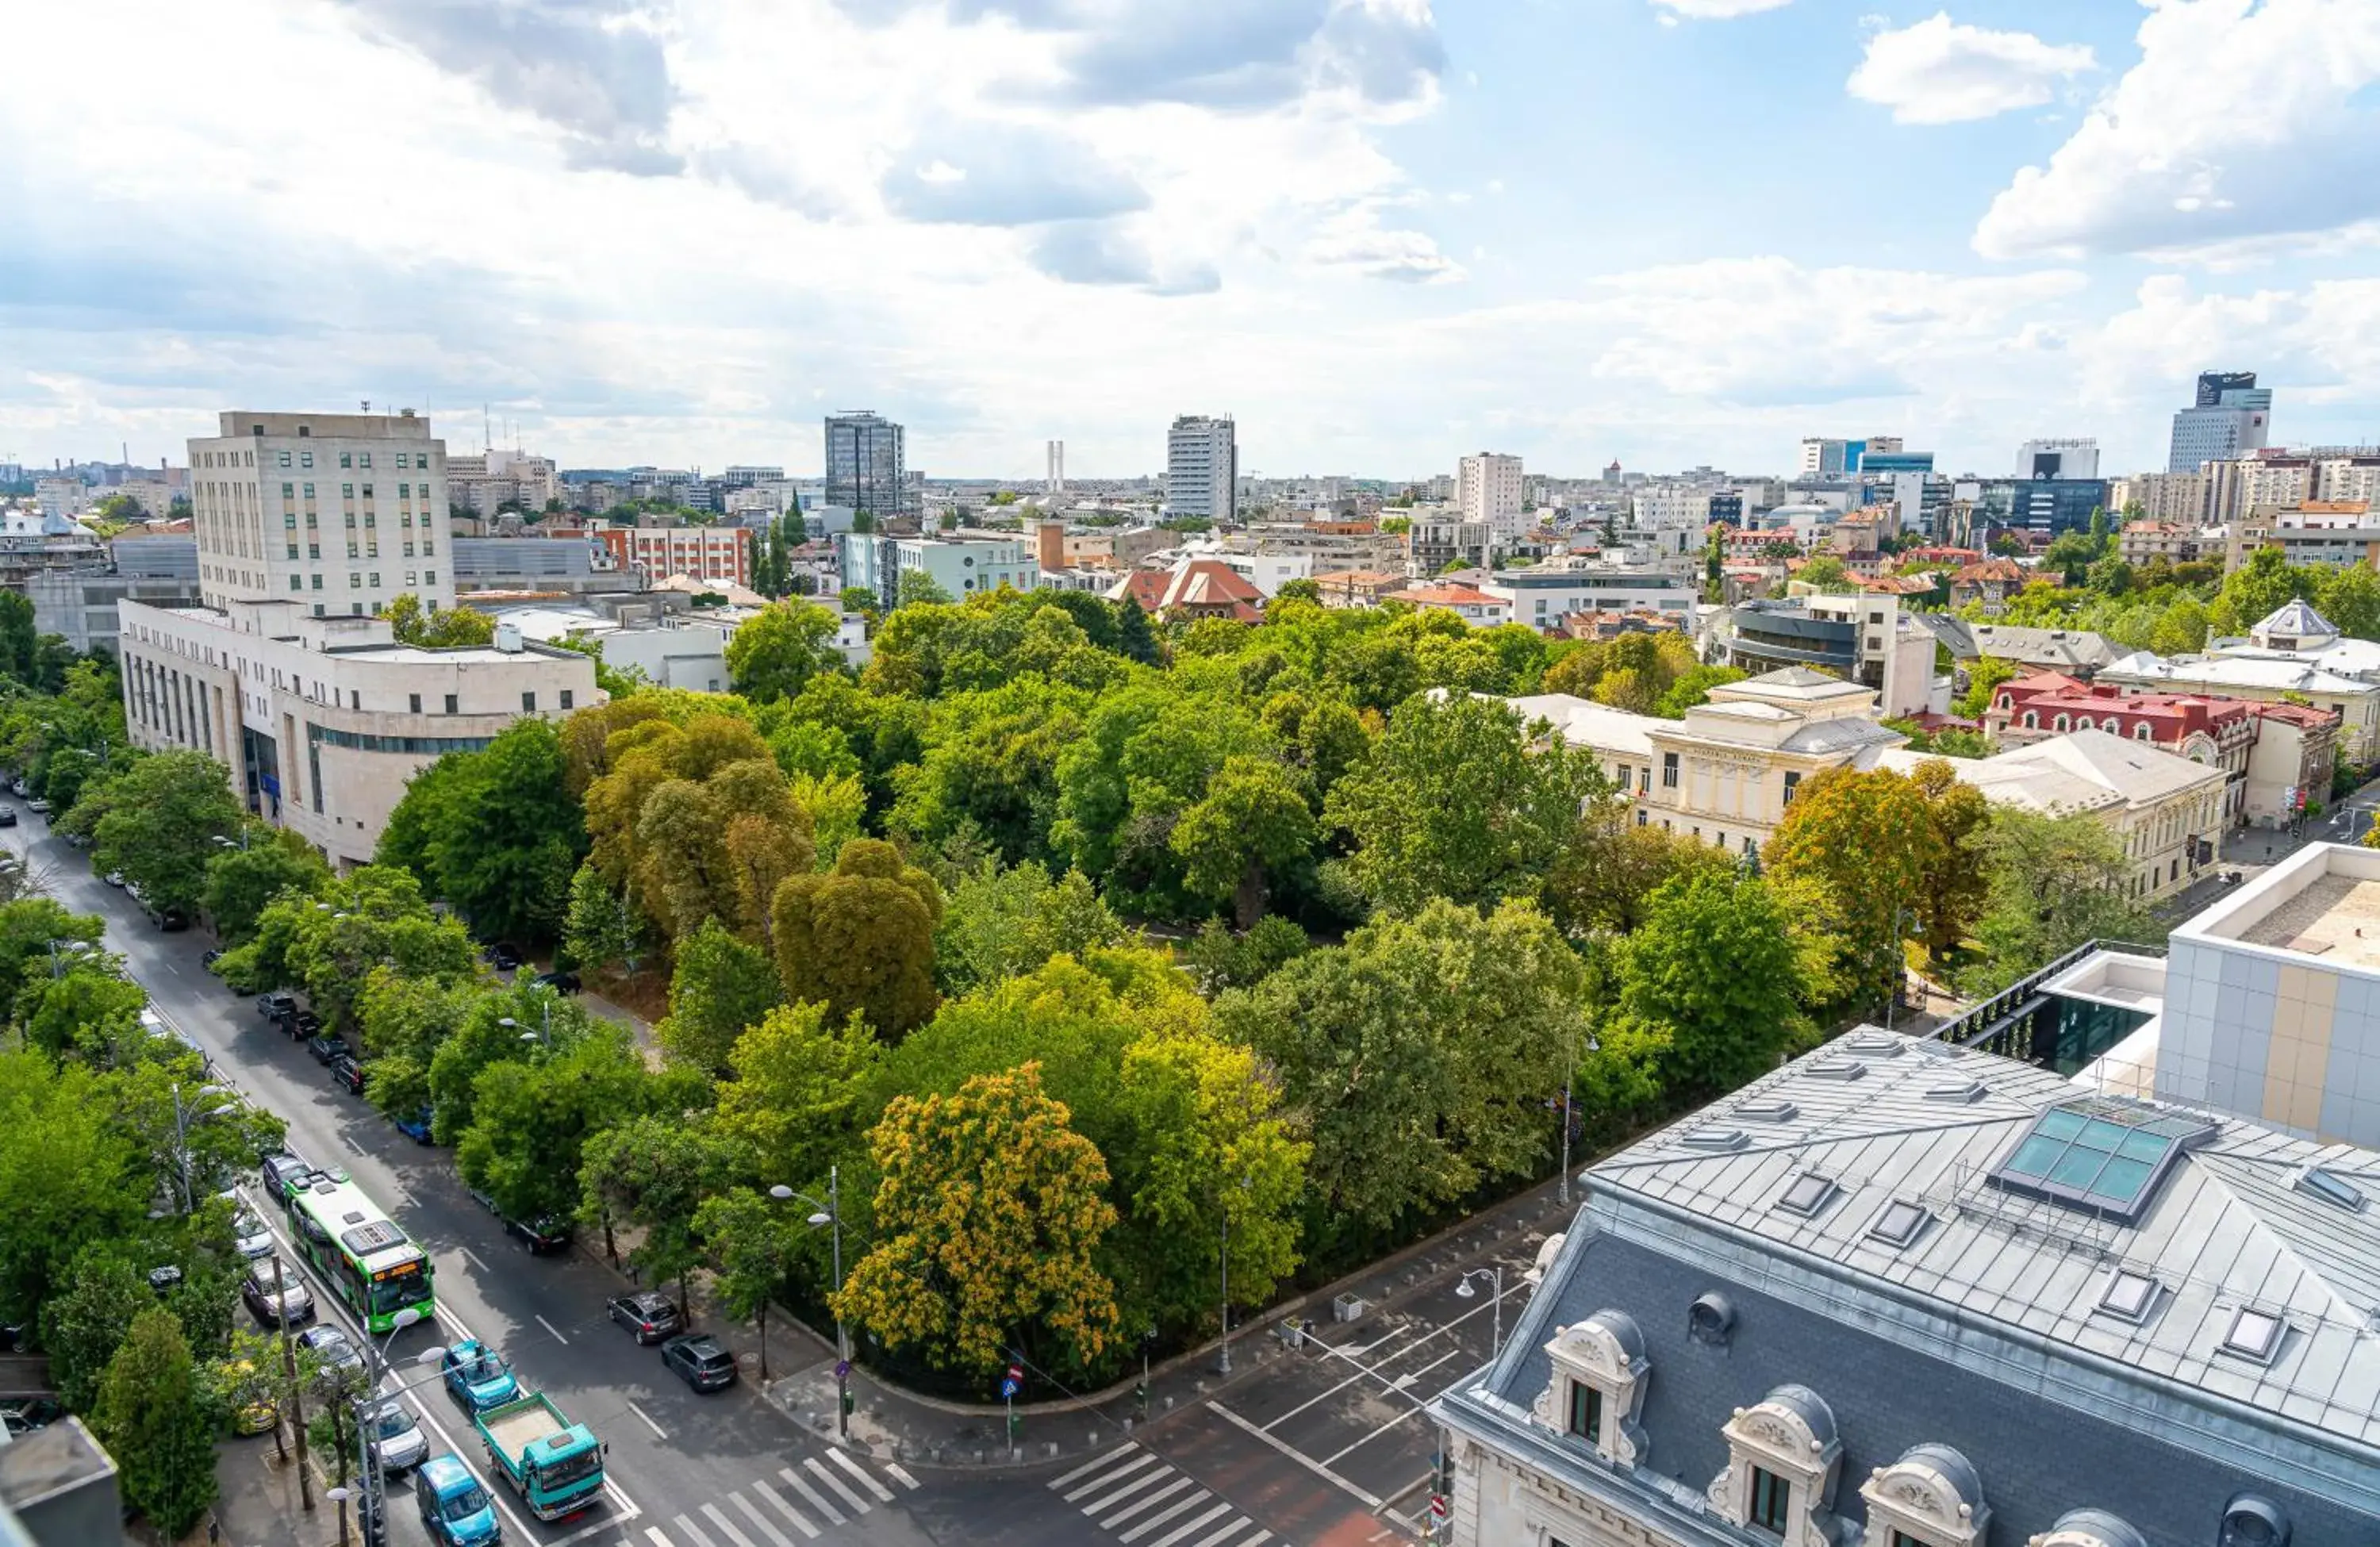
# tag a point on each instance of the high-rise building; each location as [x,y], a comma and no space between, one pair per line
[1202,468]
[2232,418]
[2057,459]
[1057,475]
[1488,488]
[337,513]
[866,464]
[1821,458]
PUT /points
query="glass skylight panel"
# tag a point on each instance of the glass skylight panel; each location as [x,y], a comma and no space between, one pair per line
[2255,1335]
[1899,1224]
[2331,1189]
[1713,1140]
[1767,1112]
[2128,1294]
[1806,1194]
[2104,1156]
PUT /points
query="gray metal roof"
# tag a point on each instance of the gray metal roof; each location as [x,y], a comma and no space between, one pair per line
[1984,1331]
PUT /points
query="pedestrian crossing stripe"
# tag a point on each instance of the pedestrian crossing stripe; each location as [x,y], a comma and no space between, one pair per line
[1119,1490]
[761,1519]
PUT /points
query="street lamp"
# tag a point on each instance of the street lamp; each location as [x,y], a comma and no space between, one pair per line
[830,1215]
[183,1116]
[545,1033]
[1223,1353]
[1463,1291]
[368,1408]
[71,947]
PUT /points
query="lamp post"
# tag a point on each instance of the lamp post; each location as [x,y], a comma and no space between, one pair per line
[1463,1291]
[545,1033]
[182,1118]
[1223,1354]
[830,1215]
[72,948]
[372,1501]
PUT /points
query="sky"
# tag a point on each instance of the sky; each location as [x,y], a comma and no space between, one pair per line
[1380,233]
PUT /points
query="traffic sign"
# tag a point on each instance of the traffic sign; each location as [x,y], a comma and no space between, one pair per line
[1437,1506]
[842,1369]
[1017,1373]
[1008,1388]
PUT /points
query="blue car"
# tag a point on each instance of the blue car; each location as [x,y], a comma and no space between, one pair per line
[416,1128]
[477,1377]
[455,1509]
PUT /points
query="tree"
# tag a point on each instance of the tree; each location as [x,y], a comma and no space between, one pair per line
[773,655]
[30,930]
[1605,878]
[1824,573]
[1219,960]
[719,987]
[1986,672]
[755,1243]
[531,1119]
[495,833]
[241,882]
[1713,973]
[1456,802]
[860,937]
[83,1326]
[86,1012]
[1419,1053]
[1693,688]
[68,1177]
[1251,822]
[1952,891]
[797,1093]
[918,588]
[163,816]
[598,928]
[2350,600]
[1869,841]
[988,1216]
[20,640]
[432,629]
[2056,882]
[653,1171]
[1001,923]
[153,1419]
[543,1024]
[858,599]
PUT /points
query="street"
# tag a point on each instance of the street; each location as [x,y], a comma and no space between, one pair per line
[1323,1445]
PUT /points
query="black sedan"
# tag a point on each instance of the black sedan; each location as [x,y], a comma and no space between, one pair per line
[346,1071]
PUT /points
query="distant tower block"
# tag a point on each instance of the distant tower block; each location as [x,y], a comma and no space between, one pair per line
[1057,466]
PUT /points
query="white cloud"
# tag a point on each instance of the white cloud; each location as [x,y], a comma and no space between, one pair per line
[1940,71]
[1358,240]
[2241,121]
[1714,10]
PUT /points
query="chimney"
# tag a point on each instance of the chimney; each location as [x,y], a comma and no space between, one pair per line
[1051,536]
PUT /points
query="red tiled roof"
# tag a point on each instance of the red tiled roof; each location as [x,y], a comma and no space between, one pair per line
[1447,596]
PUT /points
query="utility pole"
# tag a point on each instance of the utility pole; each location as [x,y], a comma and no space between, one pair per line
[296,1398]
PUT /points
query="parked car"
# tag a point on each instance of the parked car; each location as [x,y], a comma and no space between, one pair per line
[305,1025]
[208,958]
[284,1175]
[476,1376]
[503,956]
[395,1439]
[484,1198]
[293,1304]
[560,981]
[332,1347]
[38,806]
[113,878]
[649,1314]
[277,1006]
[346,1071]
[700,1360]
[540,1235]
[249,1234]
[7,816]
[416,1128]
[256,1417]
[77,840]
[325,1049]
[169,920]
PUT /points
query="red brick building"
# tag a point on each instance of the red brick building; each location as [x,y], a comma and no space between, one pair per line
[2219,733]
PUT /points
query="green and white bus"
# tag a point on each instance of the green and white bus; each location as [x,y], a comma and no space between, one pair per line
[364,1254]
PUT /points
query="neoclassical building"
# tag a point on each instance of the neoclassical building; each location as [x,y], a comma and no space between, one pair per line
[1897,1295]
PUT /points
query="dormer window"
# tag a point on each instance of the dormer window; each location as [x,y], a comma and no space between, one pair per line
[1782,1455]
[1586,1412]
[1596,1385]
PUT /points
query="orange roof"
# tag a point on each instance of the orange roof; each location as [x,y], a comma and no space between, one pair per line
[1447,596]
[1209,583]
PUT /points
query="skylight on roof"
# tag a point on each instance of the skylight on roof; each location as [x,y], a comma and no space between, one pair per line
[2106,1157]
[1899,1224]
[2331,1187]
[1958,1092]
[2128,1294]
[1808,1194]
[1848,1070]
[2255,1335]
[1767,1112]
[1714,1138]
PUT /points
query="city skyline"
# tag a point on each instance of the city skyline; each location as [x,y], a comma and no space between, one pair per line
[1384,233]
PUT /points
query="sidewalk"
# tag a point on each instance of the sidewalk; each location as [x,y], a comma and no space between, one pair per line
[258,1504]
[914,1430]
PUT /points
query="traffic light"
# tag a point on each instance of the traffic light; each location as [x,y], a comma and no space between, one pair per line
[846,1402]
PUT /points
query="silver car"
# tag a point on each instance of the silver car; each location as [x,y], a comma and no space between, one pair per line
[397,1440]
[294,1304]
[250,1234]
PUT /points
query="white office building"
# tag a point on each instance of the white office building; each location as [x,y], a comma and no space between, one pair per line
[2232,418]
[1487,488]
[334,512]
[322,718]
[2057,459]
[1202,468]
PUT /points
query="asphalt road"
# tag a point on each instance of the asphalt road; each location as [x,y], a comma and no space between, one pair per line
[685,1471]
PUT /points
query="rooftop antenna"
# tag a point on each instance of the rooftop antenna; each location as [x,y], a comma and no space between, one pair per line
[487,437]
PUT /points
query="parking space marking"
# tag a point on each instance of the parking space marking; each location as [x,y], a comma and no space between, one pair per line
[818,1500]
[1334,1458]
[848,1465]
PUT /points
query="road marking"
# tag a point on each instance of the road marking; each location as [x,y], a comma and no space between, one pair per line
[473,1259]
[760,1522]
[848,1465]
[694,1532]
[818,1500]
[1092,1465]
[1234,1529]
[1179,1481]
[801,1522]
[658,1540]
[552,1328]
[1371,1501]
[904,1478]
[726,1526]
[858,1504]
[600,1527]
[1193,1502]
[656,1428]
[1178,1532]
[1135,1486]
[1138,1461]
[1333,1457]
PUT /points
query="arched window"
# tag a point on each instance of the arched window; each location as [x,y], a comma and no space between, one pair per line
[2141,731]
[2059,724]
[2032,720]
[2083,724]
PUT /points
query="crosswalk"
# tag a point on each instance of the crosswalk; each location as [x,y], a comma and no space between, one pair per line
[1147,1502]
[786,1510]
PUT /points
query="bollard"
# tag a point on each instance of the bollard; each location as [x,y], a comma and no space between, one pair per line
[1169,1404]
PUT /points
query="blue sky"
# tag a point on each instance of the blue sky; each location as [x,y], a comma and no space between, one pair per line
[1380,232]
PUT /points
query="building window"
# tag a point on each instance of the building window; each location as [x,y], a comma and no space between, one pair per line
[347,459]
[567,698]
[306,459]
[1771,1497]
[1903,1539]
[363,459]
[1586,1413]
[528,703]
[296,583]
[284,458]
[430,577]
[1641,818]
[413,703]
[375,580]
[453,706]
[1668,769]
[318,585]
[2032,720]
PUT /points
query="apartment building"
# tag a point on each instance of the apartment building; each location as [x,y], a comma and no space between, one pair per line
[335,513]
[2145,541]
[1542,595]
[1896,1294]
[2179,498]
[2334,534]
[1864,638]
[322,719]
[654,554]
[1478,608]
[482,482]
[1487,488]
[2250,486]
[963,566]
[1202,468]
